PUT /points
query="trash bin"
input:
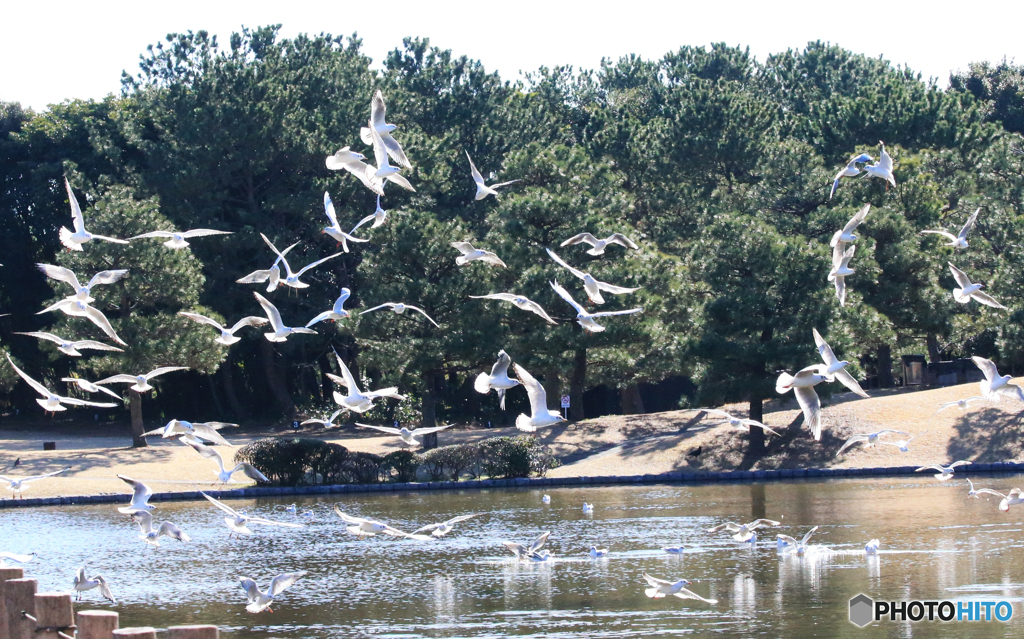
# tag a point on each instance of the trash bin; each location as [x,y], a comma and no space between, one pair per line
[913,369]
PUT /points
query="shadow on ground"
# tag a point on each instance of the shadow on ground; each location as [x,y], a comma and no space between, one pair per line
[988,435]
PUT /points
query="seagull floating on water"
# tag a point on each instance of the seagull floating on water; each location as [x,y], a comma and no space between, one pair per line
[51,402]
[498,379]
[968,290]
[72,347]
[399,309]
[546,499]
[74,241]
[17,484]
[540,415]
[660,588]
[871,548]
[177,238]
[588,508]
[745,532]
[259,600]
[482,190]
[598,246]
[945,472]
[958,241]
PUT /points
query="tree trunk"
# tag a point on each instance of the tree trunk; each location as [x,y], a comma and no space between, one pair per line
[216,397]
[630,401]
[326,385]
[228,382]
[756,434]
[429,419]
[138,428]
[277,386]
[885,379]
[577,383]
[934,356]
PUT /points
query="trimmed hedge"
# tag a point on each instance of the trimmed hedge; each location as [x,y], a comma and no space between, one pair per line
[520,456]
[449,462]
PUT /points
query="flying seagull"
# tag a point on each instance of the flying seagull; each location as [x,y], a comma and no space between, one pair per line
[902,444]
[17,484]
[524,303]
[337,312]
[995,385]
[400,308]
[384,170]
[378,113]
[378,217]
[850,170]
[348,160]
[598,246]
[281,332]
[335,230]
[370,527]
[470,254]
[329,422]
[958,241]
[223,474]
[498,379]
[585,319]
[237,522]
[72,347]
[969,290]
[140,383]
[206,431]
[883,168]
[83,583]
[406,435]
[177,238]
[272,275]
[869,439]
[524,552]
[1013,499]
[78,308]
[660,588]
[945,472]
[292,279]
[540,415]
[151,535]
[802,384]
[744,532]
[840,269]
[845,234]
[227,335]
[74,241]
[961,403]
[140,497]
[836,367]
[734,421]
[592,285]
[82,293]
[445,527]
[52,402]
[356,400]
[482,190]
[794,546]
[90,387]
[259,600]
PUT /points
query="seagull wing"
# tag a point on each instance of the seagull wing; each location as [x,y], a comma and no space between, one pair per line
[856,439]
[731,527]
[40,335]
[316,263]
[152,234]
[380,153]
[35,477]
[962,462]
[120,379]
[539,542]
[808,536]
[346,374]
[824,349]
[961,278]
[283,582]
[251,472]
[219,504]
[432,429]
[986,299]
[479,179]
[491,258]
[564,294]
[76,210]
[96,346]
[60,273]
[164,369]
[140,491]
[1012,390]
[944,234]
[932,467]
[500,367]
[683,593]
[847,380]
[377,308]
[787,539]
[989,491]
[536,309]
[811,405]
[107,277]
[423,313]
[252,320]
[506,297]
[857,219]
[383,429]
[272,313]
[578,273]
[39,388]
[969,225]
[610,313]
[71,401]
[988,368]
[538,396]
[752,422]
[464,247]
[204,232]
[616,290]
[255,277]
[581,238]
[619,238]
[654,581]
[99,319]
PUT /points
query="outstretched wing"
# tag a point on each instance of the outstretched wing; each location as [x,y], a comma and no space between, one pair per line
[961,278]
[578,273]
[164,369]
[564,294]
[538,396]
[619,238]
[283,582]
[383,429]
[39,388]
[316,263]
[76,210]
[988,368]
[423,313]
[610,313]
[252,320]
[60,273]
[581,238]
[479,179]
[969,225]
[99,319]
[273,314]
[219,504]
[349,381]
[944,234]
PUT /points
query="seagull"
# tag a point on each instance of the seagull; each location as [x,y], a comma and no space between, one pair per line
[995,385]
[971,492]
[883,168]
[792,545]
[292,279]
[81,584]
[334,230]
[369,527]
[272,275]
[236,523]
[353,163]
[82,293]
[227,335]
[17,484]
[78,308]
[600,245]
[588,508]
[850,170]
[585,319]
[442,529]
[140,497]
[902,444]
[1015,497]
[871,548]
[259,600]
[470,254]
[524,552]
[384,170]
[835,366]
[383,129]
[969,290]
[524,303]
[152,535]
[869,439]
[744,532]
[845,234]
[482,190]
[344,156]
[674,550]
[52,402]
[177,238]
[840,269]
[591,285]
[400,308]
[945,472]
[958,241]
[661,588]
[546,499]
[802,385]
[202,430]
[596,552]
[225,475]
[16,558]
[736,422]
[74,241]
[961,403]
[355,400]
[329,423]
[407,436]
[281,332]
[72,348]
[337,312]
[540,416]
[90,387]
[498,379]
[378,217]
[140,383]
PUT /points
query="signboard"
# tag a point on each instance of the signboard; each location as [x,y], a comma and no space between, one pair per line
[565,401]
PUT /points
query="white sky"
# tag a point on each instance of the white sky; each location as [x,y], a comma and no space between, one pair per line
[60,50]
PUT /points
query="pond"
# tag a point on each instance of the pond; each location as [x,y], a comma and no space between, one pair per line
[936,544]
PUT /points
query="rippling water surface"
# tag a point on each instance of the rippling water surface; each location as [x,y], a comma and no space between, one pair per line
[936,544]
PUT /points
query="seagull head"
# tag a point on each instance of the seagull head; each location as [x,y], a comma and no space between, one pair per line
[681,583]
[863,157]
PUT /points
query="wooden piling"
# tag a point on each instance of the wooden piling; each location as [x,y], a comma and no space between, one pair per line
[137,633]
[96,624]
[5,574]
[20,598]
[193,632]
[54,614]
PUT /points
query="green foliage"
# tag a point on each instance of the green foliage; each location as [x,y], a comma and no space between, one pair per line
[362,468]
[400,465]
[520,456]
[450,462]
[284,461]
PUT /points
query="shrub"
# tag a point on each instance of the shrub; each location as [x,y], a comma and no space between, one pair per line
[401,464]
[448,462]
[509,457]
[328,464]
[362,468]
[295,461]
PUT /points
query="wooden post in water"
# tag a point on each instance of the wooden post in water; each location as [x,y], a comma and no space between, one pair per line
[137,633]
[54,614]
[20,597]
[5,574]
[96,624]
[193,632]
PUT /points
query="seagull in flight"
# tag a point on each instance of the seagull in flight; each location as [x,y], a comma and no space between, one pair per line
[78,308]
[140,383]
[83,583]
[237,522]
[961,403]
[745,532]
[140,497]
[348,160]
[17,484]
[16,558]
[343,157]
[498,379]
[470,254]
[540,416]
[227,335]
[82,293]
[52,402]
[802,384]
[797,547]
[969,290]
[400,308]
[836,367]
[585,319]
[223,474]
[524,303]
[598,246]
[259,600]
[407,436]
[74,241]
[482,190]
[72,347]
[840,269]
[734,421]
[1015,497]
[151,535]
[378,217]
[281,332]
[850,170]
[660,588]
[337,312]
[590,284]
[445,527]
[883,168]
[90,387]
[385,171]
[329,422]
[206,431]
[292,279]
[272,275]
[377,123]
[945,472]
[902,444]
[356,400]
[369,527]
[869,439]
[177,238]
[335,230]
[525,552]
[995,385]
[958,241]
[845,235]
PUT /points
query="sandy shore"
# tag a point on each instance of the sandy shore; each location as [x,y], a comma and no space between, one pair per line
[613,445]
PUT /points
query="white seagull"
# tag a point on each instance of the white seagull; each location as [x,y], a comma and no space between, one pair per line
[660,588]
[482,190]
[1015,497]
[237,522]
[177,238]
[152,535]
[74,241]
[958,241]
[802,384]
[370,527]
[869,439]
[377,123]
[840,269]
[223,474]
[227,335]
[961,403]
[335,230]
[995,385]
[343,157]
[140,497]
[445,527]
[384,170]
[51,402]
[337,312]
[850,170]
[82,293]
[470,254]
[588,508]
[945,472]
[902,444]
[585,319]
[90,387]
[745,532]
[871,548]
[525,552]
[845,234]
[200,430]
[78,308]
[378,217]
[281,332]
[292,279]
[969,290]
[82,583]
[598,246]
[794,546]
[17,484]
[356,400]
[734,421]
[590,284]
[72,347]
[498,379]
[400,308]
[596,553]
[406,435]
[271,275]
[348,160]
[835,366]
[540,415]
[524,303]
[883,168]
[259,600]
[329,422]
[16,558]
[140,383]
